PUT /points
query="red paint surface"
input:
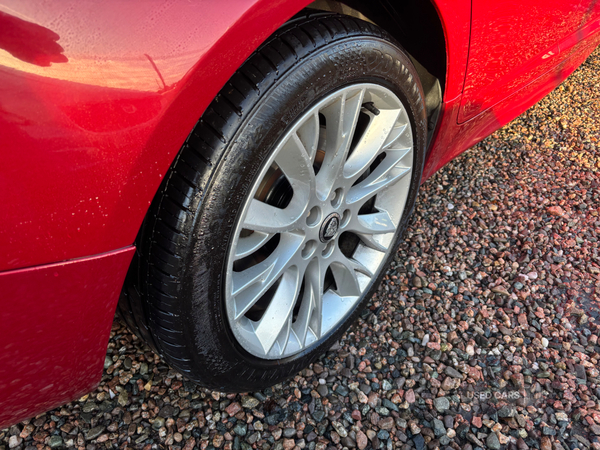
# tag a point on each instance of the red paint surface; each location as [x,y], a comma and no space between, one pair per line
[56,321]
[512,42]
[453,137]
[456,19]
[85,142]
[96,99]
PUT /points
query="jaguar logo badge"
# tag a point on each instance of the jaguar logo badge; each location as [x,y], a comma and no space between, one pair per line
[330,227]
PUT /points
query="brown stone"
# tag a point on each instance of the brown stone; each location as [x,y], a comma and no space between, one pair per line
[361,440]
[450,383]
[233,409]
[189,444]
[387,423]
[546,443]
[374,418]
[555,211]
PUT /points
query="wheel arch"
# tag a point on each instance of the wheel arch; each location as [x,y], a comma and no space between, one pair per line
[415,24]
[246,32]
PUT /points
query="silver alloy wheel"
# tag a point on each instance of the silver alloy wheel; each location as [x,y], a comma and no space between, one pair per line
[319,221]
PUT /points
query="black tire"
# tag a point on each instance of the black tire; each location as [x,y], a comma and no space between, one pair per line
[173,296]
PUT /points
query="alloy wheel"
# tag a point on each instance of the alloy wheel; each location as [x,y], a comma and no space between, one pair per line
[319,221]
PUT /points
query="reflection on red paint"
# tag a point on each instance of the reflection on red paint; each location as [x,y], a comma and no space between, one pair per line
[30,42]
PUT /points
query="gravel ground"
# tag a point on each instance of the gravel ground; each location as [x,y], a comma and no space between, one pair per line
[484,333]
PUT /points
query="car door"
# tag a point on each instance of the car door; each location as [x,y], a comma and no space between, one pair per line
[512,43]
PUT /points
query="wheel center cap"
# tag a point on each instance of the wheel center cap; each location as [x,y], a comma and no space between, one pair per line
[329,227]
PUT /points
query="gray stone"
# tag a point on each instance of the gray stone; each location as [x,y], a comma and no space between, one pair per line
[14,441]
[106,406]
[383,411]
[492,441]
[471,437]
[253,438]
[400,382]
[442,404]
[249,402]
[94,432]
[55,442]
[318,415]
[438,428]
[389,405]
[419,442]
[289,432]
[323,390]
[548,431]
[240,429]
[580,373]
[341,390]
[449,421]
[158,423]
[583,440]
[89,407]
[348,442]
[383,434]
[452,372]
[507,411]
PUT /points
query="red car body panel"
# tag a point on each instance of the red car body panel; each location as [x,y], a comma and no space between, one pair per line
[55,325]
[511,43]
[96,100]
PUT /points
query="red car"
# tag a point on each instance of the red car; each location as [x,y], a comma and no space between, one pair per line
[238,173]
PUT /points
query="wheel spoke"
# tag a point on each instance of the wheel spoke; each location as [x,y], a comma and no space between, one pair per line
[344,272]
[369,226]
[370,144]
[341,119]
[386,174]
[249,285]
[373,241]
[375,223]
[309,314]
[270,219]
[308,132]
[395,135]
[296,164]
[276,322]
[250,244]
